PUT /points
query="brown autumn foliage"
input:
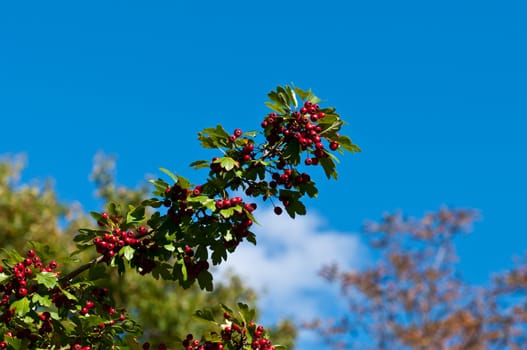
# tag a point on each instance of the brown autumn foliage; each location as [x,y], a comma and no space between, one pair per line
[414,298]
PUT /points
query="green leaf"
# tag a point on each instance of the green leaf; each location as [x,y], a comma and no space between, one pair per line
[275,107]
[227,163]
[68,294]
[203,201]
[226,308]
[114,208]
[86,235]
[213,137]
[160,185]
[163,271]
[170,247]
[292,152]
[169,173]
[12,256]
[4,277]
[292,96]
[219,253]
[127,252]
[302,93]
[152,202]
[205,280]
[246,313]
[251,237]
[198,164]
[329,167]
[310,189]
[49,279]
[41,300]
[227,213]
[295,207]
[206,315]
[349,146]
[135,214]
[251,133]
[21,306]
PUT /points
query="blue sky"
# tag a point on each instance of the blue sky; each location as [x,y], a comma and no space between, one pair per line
[434,93]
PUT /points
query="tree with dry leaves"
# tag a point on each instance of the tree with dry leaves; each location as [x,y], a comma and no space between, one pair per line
[414,298]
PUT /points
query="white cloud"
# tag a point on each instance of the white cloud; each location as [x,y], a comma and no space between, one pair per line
[285,262]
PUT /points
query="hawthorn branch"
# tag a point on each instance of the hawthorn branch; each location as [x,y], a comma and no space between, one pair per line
[81,269]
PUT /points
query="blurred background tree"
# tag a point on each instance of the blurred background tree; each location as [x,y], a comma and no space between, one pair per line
[413,297]
[32,212]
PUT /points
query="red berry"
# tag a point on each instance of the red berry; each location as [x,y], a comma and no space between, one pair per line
[333,145]
[238,132]
[277,210]
[31,253]
[22,292]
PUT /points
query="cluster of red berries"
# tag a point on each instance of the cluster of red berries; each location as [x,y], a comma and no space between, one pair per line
[232,333]
[248,148]
[194,344]
[259,342]
[23,272]
[241,224]
[111,242]
[176,200]
[237,133]
[300,126]
[19,286]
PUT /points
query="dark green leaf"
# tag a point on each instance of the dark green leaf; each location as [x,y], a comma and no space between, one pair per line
[135,215]
[292,152]
[152,202]
[251,237]
[206,315]
[226,308]
[329,167]
[86,235]
[205,280]
[219,253]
